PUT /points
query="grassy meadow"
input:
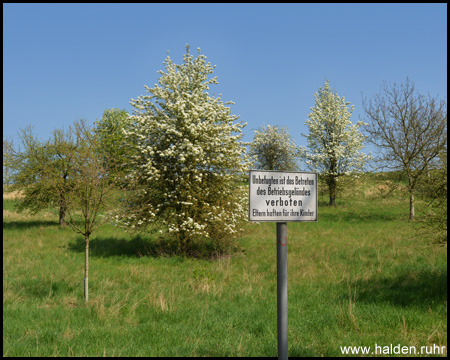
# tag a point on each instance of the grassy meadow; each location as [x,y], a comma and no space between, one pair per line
[360,276]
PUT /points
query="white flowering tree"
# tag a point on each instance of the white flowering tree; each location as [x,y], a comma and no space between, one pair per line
[334,142]
[274,149]
[188,160]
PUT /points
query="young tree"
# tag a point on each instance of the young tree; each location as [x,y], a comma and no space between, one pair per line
[274,149]
[334,143]
[409,130]
[188,158]
[90,189]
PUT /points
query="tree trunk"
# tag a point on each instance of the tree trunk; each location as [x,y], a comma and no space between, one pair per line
[86,270]
[411,197]
[62,216]
[62,212]
[332,200]
[411,206]
[62,207]
[332,187]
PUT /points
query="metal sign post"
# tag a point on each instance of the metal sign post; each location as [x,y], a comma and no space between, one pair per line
[281,196]
[282,313]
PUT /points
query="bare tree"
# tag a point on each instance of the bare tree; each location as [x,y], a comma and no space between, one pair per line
[409,130]
[89,189]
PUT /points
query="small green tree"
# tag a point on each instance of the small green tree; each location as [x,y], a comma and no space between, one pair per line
[29,165]
[110,129]
[188,160]
[433,191]
[8,156]
[274,149]
[334,143]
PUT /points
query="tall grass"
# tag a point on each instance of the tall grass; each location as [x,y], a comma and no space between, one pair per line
[359,276]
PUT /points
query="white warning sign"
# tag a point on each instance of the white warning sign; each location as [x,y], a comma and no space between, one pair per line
[281,196]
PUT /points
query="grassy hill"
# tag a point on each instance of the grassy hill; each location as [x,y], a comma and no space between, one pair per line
[360,276]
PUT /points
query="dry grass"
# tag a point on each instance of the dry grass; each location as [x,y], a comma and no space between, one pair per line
[26,216]
[12,195]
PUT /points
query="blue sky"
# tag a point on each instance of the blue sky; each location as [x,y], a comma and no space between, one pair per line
[63,62]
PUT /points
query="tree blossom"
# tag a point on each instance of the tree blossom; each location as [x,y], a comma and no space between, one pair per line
[334,142]
[274,149]
[187,159]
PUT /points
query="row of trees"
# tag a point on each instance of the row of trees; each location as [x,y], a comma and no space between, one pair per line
[190,132]
[408,129]
[334,143]
[179,161]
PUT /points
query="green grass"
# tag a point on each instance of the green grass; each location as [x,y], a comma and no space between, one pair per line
[360,276]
